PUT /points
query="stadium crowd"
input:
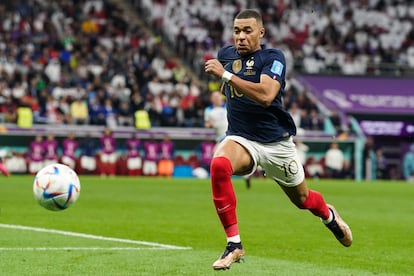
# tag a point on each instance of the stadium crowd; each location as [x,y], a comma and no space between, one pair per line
[76,62]
[84,63]
[342,36]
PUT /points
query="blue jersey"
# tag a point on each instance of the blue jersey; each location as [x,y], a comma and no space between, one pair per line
[247,118]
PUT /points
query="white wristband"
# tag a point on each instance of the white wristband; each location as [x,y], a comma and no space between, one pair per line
[226,76]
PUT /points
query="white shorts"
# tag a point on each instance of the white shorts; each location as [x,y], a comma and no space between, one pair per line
[68,161]
[134,163]
[88,162]
[35,166]
[279,160]
[109,157]
[149,168]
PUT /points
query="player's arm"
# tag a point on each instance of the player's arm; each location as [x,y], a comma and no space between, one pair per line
[262,92]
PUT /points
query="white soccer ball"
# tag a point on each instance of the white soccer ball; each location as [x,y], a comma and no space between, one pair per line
[56,187]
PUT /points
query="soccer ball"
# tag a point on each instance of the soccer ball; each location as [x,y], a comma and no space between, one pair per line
[56,187]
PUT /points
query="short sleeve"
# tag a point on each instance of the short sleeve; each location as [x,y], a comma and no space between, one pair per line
[274,64]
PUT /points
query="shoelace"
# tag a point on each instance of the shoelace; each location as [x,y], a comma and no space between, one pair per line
[230,248]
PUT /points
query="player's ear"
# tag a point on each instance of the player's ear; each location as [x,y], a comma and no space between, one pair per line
[262,32]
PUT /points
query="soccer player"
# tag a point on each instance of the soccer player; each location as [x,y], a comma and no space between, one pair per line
[215,115]
[259,133]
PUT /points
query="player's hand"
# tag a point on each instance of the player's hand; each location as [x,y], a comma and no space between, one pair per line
[214,67]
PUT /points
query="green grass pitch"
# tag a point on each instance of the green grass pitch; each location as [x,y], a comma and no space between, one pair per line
[158,226]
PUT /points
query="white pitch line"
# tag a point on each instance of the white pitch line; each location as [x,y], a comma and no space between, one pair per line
[94,237]
[77,248]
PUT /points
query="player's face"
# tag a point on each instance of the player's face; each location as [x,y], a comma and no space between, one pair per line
[247,33]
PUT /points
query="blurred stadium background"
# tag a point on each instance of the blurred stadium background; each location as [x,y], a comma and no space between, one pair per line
[350,75]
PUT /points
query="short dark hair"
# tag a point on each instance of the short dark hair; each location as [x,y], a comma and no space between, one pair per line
[249,13]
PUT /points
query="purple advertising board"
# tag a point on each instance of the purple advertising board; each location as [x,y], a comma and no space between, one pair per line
[387,128]
[361,95]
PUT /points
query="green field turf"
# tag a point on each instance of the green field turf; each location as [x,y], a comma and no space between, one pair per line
[154,226]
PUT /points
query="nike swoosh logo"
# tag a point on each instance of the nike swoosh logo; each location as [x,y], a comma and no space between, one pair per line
[224,208]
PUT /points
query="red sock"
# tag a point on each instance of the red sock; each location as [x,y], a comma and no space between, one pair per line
[223,194]
[316,204]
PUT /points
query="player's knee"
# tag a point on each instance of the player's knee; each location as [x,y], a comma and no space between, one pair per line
[220,168]
[300,202]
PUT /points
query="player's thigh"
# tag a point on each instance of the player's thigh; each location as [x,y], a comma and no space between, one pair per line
[238,155]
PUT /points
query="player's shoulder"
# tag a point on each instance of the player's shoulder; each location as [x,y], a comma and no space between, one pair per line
[272,53]
[227,53]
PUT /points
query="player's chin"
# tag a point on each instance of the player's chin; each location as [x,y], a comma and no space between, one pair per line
[243,50]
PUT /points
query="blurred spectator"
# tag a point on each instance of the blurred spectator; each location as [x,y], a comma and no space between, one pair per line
[190,111]
[88,148]
[408,164]
[296,114]
[151,157]
[108,155]
[109,114]
[142,119]
[15,162]
[96,112]
[206,151]
[302,150]
[24,117]
[336,121]
[313,121]
[9,110]
[124,114]
[347,170]
[215,115]
[369,159]
[167,152]
[51,150]
[79,111]
[381,165]
[314,169]
[334,161]
[69,147]
[36,154]
[133,155]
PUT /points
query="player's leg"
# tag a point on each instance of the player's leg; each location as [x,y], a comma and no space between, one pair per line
[229,158]
[313,201]
[290,175]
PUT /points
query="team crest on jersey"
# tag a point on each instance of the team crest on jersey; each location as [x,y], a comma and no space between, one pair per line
[249,64]
[249,68]
[237,66]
